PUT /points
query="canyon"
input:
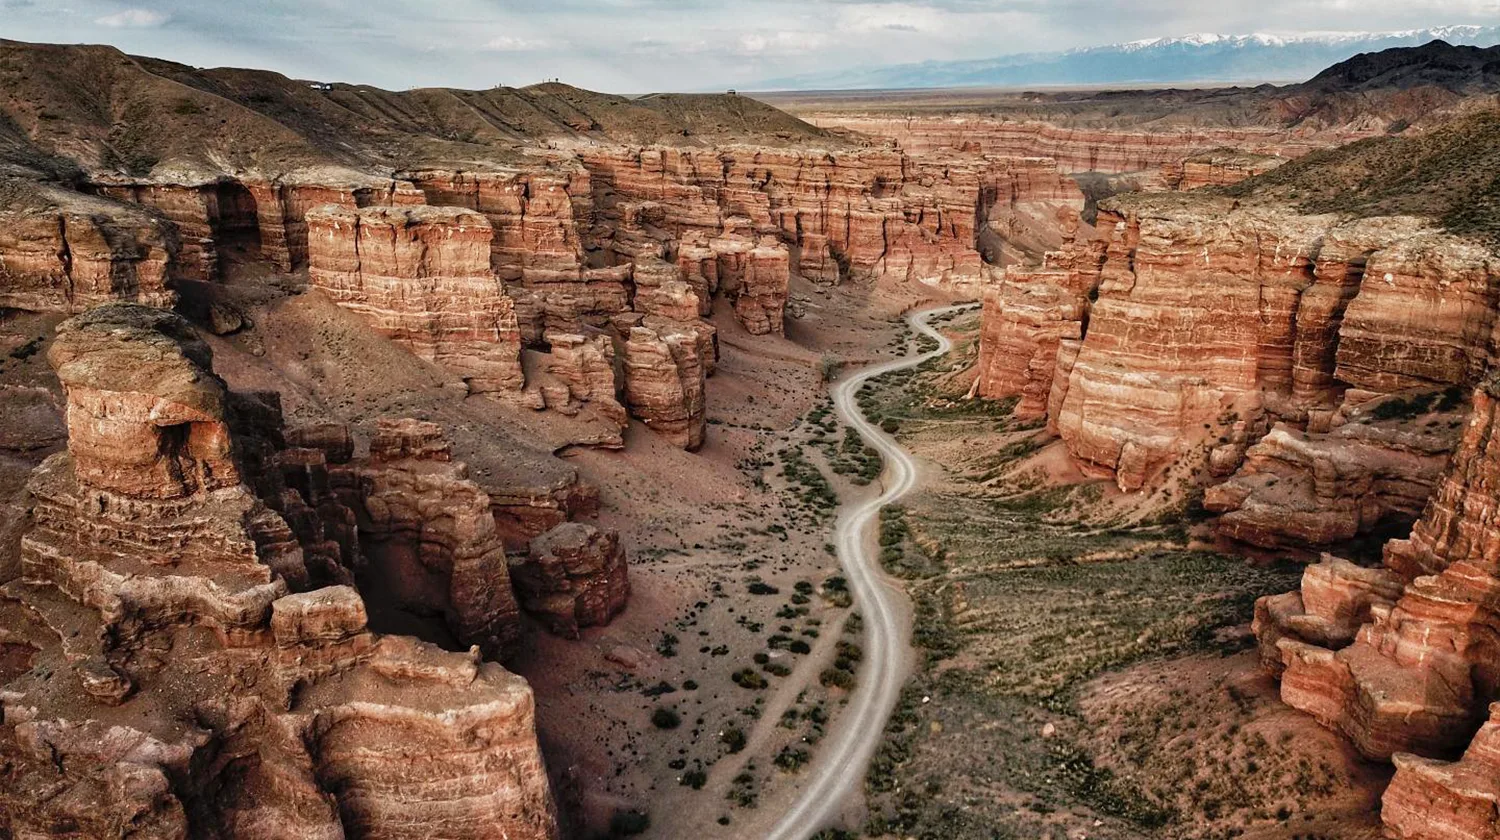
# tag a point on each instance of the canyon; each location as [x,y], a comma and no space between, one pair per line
[374,462]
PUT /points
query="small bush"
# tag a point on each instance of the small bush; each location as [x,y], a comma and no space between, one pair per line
[749,678]
[836,678]
[734,739]
[664,718]
[694,779]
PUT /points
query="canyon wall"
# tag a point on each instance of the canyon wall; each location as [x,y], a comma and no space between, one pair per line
[870,213]
[1216,168]
[421,276]
[184,652]
[1401,659]
[1190,326]
[65,252]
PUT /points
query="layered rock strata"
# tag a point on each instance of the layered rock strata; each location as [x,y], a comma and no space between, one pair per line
[183,666]
[1217,168]
[1409,666]
[1214,321]
[429,536]
[664,372]
[421,275]
[1079,149]
[871,213]
[66,253]
[1029,315]
[252,218]
[1296,489]
[573,576]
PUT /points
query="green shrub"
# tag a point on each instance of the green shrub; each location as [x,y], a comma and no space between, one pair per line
[836,678]
[749,678]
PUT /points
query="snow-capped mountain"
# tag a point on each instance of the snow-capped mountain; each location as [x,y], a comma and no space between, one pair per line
[1196,58]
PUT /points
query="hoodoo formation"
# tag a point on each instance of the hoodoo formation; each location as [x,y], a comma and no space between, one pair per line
[460,464]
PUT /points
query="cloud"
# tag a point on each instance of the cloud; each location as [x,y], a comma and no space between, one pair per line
[893,17]
[511,43]
[133,19]
[782,43]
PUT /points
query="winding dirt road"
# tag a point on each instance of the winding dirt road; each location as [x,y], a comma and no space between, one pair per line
[845,754]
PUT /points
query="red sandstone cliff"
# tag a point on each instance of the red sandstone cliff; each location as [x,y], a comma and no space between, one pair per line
[1401,659]
[1214,321]
[64,252]
[421,275]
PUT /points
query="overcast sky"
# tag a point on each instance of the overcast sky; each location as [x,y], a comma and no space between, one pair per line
[633,46]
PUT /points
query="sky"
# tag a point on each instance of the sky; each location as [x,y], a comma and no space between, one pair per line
[637,46]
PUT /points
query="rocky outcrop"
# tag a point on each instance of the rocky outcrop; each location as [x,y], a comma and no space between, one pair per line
[873,213]
[573,576]
[428,535]
[527,509]
[587,374]
[664,375]
[1079,149]
[421,275]
[64,252]
[1297,489]
[1411,667]
[1217,168]
[1430,799]
[536,213]
[1214,320]
[252,218]
[189,661]
[1029,314]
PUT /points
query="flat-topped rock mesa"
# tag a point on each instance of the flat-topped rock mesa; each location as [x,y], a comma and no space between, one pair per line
[422,276]
[1400,658]
[185,654]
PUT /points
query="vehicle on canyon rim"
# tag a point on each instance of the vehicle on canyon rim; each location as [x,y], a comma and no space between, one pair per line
[541,463]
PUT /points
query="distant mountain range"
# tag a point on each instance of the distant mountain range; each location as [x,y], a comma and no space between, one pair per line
[1200,58]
